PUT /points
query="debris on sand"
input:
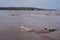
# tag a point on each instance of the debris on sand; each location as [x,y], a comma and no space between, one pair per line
[52,30]
[12,14]
[24,29]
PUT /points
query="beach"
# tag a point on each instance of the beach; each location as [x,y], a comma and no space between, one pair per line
[11,20]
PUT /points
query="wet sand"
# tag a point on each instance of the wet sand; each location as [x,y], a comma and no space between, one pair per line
[9,25]
[11,35]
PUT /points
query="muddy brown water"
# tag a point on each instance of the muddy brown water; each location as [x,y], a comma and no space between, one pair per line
[11,20]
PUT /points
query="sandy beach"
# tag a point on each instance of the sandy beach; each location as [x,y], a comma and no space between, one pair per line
[10,21]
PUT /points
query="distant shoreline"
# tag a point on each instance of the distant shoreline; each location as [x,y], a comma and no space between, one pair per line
[25,8]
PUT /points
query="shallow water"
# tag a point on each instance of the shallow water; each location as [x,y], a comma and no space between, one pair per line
[11,20]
